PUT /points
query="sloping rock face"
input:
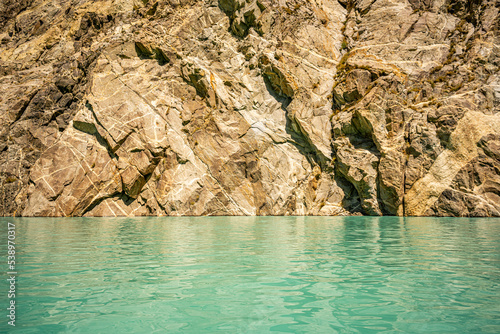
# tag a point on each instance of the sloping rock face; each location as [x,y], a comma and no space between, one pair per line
[244,107]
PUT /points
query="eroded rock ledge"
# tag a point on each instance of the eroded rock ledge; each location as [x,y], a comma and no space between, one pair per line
[244,107]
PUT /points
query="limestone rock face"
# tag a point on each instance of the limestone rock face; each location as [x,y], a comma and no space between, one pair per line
[245,107]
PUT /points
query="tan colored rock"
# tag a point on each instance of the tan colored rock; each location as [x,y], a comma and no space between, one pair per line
[245,107]
[463,142]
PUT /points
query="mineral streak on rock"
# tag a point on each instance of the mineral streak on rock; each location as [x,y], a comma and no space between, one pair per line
[245,107]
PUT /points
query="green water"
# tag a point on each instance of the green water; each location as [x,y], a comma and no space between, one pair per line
[254,275]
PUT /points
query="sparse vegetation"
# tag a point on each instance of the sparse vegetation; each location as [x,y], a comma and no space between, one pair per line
[344,45]
[10,179]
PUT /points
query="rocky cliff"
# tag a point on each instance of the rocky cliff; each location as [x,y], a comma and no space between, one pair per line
[245,107]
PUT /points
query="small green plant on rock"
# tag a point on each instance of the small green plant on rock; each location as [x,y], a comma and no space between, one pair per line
[344,45]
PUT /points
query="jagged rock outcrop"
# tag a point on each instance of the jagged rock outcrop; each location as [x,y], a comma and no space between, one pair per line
[245,107]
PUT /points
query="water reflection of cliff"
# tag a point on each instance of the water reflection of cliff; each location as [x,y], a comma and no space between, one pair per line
[281,237]
[338,272]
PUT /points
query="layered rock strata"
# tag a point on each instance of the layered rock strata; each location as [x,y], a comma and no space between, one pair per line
[244,107]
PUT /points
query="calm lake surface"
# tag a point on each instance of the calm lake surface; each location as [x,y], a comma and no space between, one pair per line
[254,275]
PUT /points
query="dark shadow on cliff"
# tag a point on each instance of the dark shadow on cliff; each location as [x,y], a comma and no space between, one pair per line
[302,143]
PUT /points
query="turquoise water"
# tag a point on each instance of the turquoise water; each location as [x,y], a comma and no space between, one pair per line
[255,275]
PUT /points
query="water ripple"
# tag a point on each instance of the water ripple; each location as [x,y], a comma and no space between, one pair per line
[258,275]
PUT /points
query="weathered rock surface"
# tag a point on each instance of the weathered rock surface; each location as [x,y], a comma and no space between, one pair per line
[244,107]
